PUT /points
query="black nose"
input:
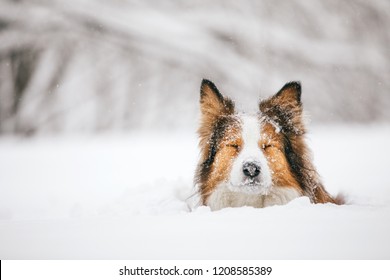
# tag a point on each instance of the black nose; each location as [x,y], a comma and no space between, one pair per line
[251,169]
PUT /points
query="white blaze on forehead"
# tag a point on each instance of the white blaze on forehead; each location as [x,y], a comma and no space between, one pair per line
[250,131]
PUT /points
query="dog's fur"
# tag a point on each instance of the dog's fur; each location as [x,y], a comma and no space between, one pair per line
[255,160]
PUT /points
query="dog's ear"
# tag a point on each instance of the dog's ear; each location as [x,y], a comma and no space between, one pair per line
[213,107]
[285,108]
[212,103]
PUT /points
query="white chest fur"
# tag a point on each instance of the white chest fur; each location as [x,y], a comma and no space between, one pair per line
[223,197]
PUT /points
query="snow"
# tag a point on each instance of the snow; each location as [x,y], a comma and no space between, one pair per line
[125,197]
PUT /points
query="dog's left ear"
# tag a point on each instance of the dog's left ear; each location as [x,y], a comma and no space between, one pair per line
[285,108]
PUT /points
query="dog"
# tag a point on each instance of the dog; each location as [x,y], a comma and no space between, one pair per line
[256,160]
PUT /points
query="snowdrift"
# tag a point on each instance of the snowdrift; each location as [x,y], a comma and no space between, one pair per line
[131,197]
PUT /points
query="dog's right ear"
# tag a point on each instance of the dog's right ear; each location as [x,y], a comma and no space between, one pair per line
[213,107]
[212,103]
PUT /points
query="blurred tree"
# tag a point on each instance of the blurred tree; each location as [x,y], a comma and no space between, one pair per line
[117,65]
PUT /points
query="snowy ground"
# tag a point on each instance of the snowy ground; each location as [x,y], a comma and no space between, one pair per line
[124,197]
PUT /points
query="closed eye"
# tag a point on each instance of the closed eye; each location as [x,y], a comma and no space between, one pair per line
[266,146]
[234,146]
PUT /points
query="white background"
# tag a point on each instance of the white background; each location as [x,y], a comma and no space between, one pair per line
[321,270]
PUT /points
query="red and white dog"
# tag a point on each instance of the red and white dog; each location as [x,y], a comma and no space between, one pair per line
[256,160]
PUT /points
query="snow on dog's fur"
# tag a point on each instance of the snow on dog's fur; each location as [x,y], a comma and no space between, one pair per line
[255,160]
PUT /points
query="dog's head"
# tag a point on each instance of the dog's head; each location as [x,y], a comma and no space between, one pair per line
[257,154]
